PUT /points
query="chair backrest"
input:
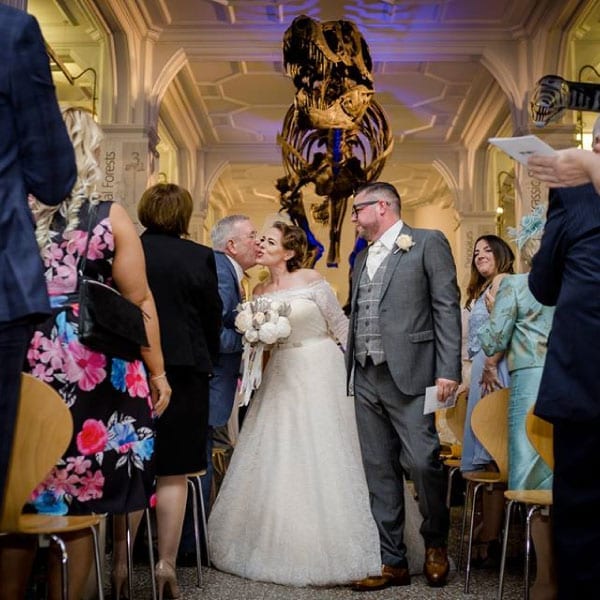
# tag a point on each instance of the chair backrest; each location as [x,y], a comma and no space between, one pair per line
[43,430]
[489,421]
[540,434]
[455,416]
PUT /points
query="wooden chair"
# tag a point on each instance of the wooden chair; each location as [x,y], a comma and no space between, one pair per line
[540,434]
[455,421]
[44,428]
[489,421]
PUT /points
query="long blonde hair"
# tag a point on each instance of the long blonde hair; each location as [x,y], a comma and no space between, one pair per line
[86,136]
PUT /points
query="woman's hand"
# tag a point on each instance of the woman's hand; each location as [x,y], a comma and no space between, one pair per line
[489,378]
[160,391]
[489,300]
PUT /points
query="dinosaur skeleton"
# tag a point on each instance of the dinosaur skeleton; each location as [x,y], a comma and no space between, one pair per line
[553,95]
[335,135]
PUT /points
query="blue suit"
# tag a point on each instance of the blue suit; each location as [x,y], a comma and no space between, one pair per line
[566,273]
[225,375]
[36,157]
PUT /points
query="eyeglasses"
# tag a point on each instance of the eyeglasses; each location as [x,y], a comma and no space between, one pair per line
[358,207]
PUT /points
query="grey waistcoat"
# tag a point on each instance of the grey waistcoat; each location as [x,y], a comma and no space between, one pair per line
[367,335]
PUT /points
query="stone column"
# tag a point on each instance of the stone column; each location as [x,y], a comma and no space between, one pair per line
[127,160]
[472,225]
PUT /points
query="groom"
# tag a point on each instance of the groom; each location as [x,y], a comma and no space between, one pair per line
[405,335]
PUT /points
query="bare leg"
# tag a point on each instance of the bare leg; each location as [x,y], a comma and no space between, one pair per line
[171,496]
[119,561]
[17,554]
[493,511]
[544,587]
[489,528]
[81,555]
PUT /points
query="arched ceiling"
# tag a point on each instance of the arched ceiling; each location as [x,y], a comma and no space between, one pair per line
[428,74]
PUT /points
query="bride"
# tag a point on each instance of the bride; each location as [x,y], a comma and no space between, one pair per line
[294,507]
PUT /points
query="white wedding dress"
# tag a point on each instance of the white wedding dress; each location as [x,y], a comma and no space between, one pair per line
[294,507]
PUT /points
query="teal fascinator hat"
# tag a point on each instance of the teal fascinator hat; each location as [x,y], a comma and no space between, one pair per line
[531,227]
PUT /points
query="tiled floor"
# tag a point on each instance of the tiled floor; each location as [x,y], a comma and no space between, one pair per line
[222,586]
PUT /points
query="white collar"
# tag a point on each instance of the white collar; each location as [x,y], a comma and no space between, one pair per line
[388,237]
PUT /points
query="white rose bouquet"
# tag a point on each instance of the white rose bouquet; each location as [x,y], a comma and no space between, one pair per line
[263,322]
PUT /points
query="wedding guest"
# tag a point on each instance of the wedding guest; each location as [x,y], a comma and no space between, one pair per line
[36,157]
[404,335]
[183,280]
[492,260]
[520,325]
[566,274]
[234,244]
[293,507]
[107,467]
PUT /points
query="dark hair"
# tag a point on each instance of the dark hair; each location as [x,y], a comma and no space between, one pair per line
[504,258]
[293,238]
[380,188]
[166,208]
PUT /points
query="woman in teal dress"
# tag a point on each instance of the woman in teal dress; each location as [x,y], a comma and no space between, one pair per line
[520,325]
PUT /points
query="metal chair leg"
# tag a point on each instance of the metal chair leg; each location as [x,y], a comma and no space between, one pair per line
[64,561]
[196,532]
[532,510]
[451,472]
[204,519]
[471,529]
[507,517]
[129,544]
[463,526]
[129,555]
[97,561]
[151,553]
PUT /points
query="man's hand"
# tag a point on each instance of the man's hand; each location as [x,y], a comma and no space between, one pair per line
[445,388]
[566,168]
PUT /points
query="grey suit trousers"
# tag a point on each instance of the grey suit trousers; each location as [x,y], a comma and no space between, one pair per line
[396,439]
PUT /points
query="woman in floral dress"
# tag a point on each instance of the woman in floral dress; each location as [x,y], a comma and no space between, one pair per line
[107,467]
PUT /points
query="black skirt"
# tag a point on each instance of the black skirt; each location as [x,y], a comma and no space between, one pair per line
[181,431]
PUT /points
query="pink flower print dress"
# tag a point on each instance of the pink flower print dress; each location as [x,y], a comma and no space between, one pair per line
[108,464]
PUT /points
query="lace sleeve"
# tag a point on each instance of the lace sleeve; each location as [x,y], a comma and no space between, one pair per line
[337,321]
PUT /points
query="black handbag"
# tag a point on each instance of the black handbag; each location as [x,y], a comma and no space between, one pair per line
[108,322]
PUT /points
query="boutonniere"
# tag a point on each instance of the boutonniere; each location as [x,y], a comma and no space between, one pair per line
[404,242]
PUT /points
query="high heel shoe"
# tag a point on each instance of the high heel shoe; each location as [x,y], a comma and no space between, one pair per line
[120,588]
[166,580]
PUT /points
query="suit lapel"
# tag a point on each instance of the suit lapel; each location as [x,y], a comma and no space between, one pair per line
[227,263]
[394,259]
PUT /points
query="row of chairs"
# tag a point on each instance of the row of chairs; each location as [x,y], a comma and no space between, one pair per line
[489,422]
[43,431]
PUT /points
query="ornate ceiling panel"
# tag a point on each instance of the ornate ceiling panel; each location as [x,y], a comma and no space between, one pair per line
[428,72]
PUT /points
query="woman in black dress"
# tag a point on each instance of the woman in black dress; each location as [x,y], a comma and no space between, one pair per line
[183,279]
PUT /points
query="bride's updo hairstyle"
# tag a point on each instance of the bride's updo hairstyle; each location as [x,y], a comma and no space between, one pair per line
[293,238]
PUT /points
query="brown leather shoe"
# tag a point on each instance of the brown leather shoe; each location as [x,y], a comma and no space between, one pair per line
[389,576]
[436,566]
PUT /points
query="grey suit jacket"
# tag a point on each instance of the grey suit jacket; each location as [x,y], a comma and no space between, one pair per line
[419,313]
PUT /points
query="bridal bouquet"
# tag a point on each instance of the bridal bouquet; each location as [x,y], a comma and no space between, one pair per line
[263,322]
